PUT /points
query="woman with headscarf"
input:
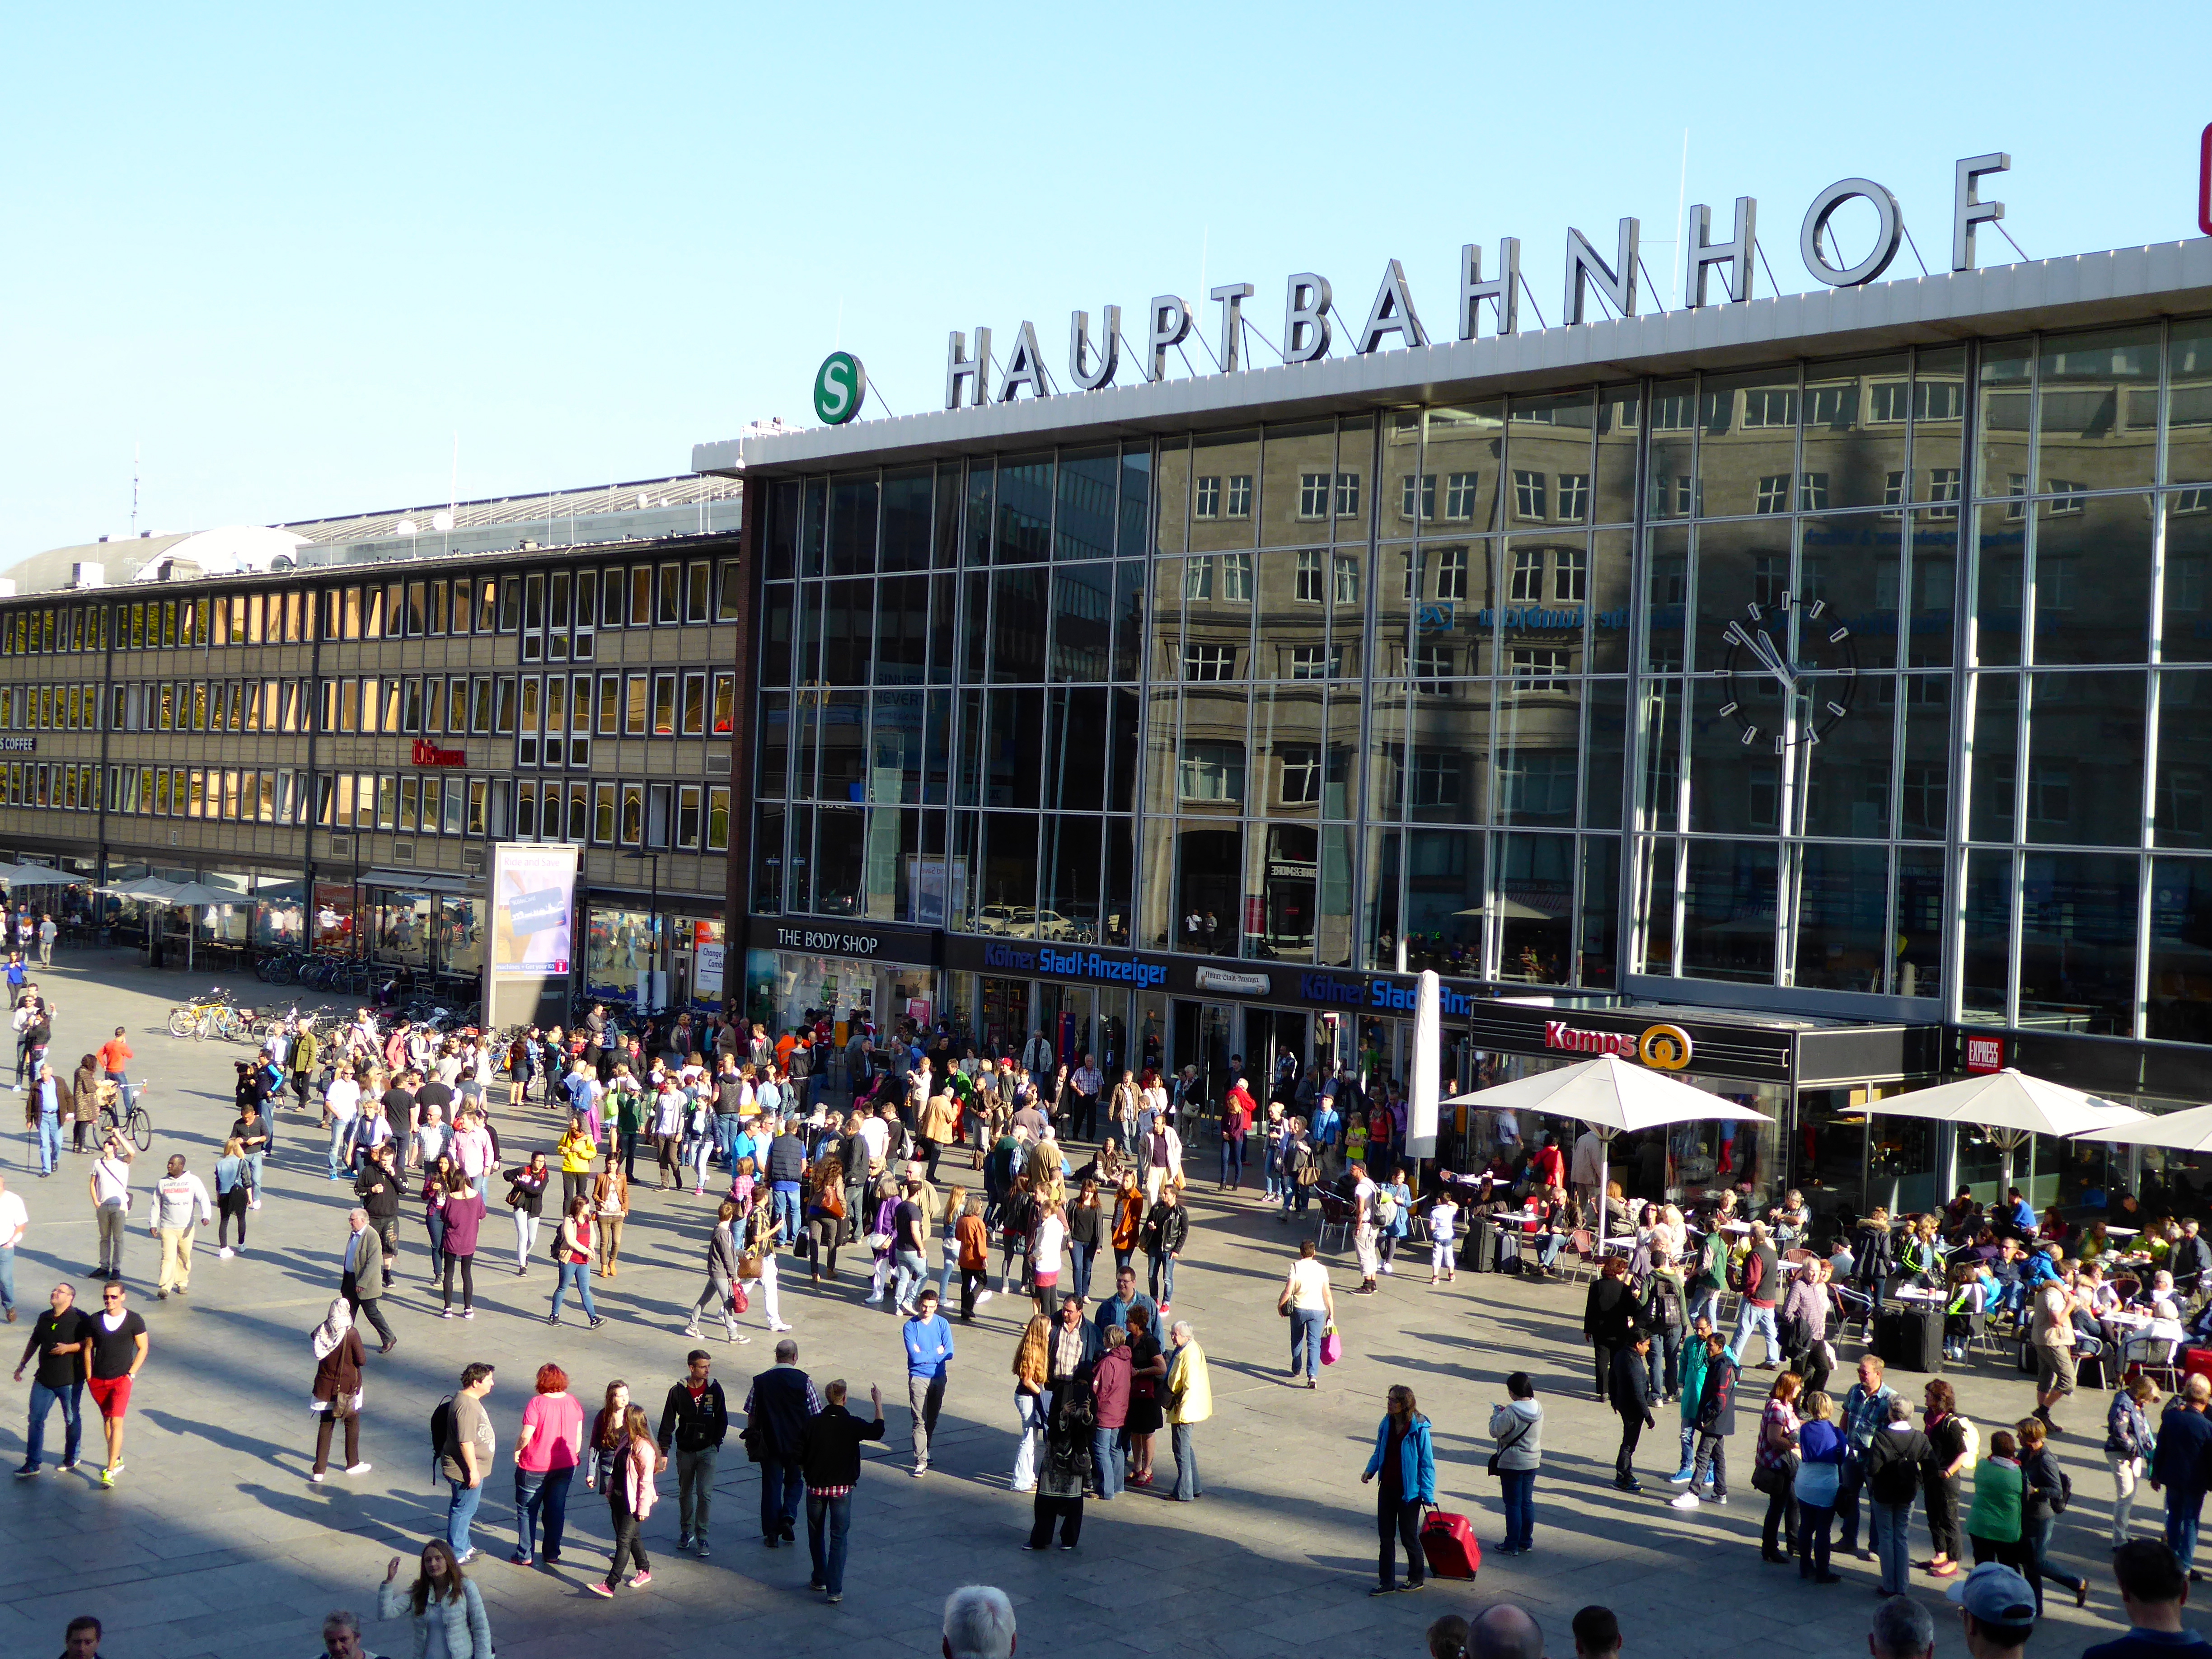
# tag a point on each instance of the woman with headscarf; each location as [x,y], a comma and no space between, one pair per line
[337,1393]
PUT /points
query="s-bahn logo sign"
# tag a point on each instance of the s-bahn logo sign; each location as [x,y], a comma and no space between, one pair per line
[840,385]
[1311,320]
[1662,1047]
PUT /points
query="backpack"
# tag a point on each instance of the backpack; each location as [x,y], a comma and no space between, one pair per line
[441,1426]
[1666,1305]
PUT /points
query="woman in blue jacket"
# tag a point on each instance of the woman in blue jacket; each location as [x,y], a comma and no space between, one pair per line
[1407,1464]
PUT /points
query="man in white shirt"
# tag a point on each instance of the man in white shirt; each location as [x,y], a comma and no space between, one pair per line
[13,1219]
[178,1198]
[47,932]
[1582,1171]
[878,1135]
[341,1102]
[110,1186]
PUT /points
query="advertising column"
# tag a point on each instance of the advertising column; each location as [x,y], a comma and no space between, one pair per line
[533,903]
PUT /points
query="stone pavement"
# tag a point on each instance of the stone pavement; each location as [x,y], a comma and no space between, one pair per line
[214,1543]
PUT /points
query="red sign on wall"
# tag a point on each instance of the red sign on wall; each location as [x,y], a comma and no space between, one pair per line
[1984,1054]
[428,754]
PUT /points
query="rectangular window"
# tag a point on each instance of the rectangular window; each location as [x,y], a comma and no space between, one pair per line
[457,703]
[663,705]
[723,709]
[2068,492]
[1773,493]
[687,816]
[387,800]
[631,829]
[1527,495]
[1239,505]
[1198,579]
[1812,492]
[1461,490]
[1211,772]
[666,596]
[1769,406]
[659,797]
[510,603]
[1432,661]
[525,812]
[695,705]
[1346,568]
[1574,497]
[1538,668]
[533,617]
[533,714]
[1893,493]
[610,705]
[435,622]
[633,706]
[462,617]
[1236,577]
[433,803]
[412,711]
[1943,486]
[409,788]
[477,792]
[349,718]
[718,819]
[1313,662]
[1571,575]
[1416,496]
[603,814]
[1209,662]
[1528,579]
[559,617]
[1308,577]
[1313,495]
[1451,573]
[480,703]
[1206,500]
[698,589]
[503,724]
[729,594]
[641,596]
[1347,494]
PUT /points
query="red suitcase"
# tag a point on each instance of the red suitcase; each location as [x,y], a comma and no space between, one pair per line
[2196,1362]
[1450,1545]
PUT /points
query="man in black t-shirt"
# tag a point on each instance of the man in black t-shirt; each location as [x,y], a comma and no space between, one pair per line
[251,1131]
[118,1350]
[59,1338]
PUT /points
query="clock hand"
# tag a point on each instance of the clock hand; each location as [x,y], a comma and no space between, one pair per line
[1763,648]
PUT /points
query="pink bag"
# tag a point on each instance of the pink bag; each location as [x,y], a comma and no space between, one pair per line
[1332,1348]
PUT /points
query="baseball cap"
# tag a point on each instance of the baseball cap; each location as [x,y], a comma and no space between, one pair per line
[1995,1594]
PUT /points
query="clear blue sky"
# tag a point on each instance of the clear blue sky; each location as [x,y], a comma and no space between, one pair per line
[290,251]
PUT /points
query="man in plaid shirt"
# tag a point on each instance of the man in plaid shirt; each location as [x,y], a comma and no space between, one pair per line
[1866,1410]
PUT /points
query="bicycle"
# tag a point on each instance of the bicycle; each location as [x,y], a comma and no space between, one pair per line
[133,1120]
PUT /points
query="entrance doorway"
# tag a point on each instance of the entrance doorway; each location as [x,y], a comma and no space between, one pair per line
[1278,1048]
[1204,1037]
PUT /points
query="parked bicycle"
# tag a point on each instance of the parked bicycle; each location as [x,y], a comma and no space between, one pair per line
[214,1015]
[129,1115]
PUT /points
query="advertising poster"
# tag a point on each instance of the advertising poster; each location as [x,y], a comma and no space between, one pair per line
[533,905]
[707,964]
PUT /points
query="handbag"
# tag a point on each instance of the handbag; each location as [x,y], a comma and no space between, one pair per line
[739,1302]
[1331,1346]
[748,1265]
[1504,1446]
[1775,1478]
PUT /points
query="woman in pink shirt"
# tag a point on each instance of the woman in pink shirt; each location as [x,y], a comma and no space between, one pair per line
[546,1454]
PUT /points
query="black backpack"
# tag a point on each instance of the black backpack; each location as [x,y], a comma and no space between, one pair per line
[441,1426]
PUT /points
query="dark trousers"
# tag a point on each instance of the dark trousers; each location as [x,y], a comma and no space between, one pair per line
[1814,1523]
[1069,1512]
[1779,1530]
[387,1229]
[972,1281]
[1942,1497]
[1713,1454]
[467,1264]
[781,1484]
[372,1306]
[629,1549]
[1624,1462]
[828,1521]
[326,1422]
[2012,1552]
[1086,1117]
[1663,1364]
[1398,1522]
[1604,1359]
[231,1208]
[1847,1506]
[627,1140]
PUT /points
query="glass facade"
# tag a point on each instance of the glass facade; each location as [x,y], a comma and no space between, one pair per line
[1885,677]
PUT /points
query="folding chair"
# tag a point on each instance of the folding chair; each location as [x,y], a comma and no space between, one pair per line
[2155,1355]
[1334,1213]
[1581,1254]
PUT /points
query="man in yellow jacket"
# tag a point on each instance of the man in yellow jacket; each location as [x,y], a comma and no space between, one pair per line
[1190,1400]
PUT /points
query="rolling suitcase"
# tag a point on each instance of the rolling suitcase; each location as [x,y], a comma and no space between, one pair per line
[1481,1254]
[1910,1339]
[1449,1543]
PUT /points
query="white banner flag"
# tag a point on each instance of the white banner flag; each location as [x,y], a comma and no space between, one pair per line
[1428,1038]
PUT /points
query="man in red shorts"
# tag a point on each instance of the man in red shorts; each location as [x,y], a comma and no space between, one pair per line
[119,1349]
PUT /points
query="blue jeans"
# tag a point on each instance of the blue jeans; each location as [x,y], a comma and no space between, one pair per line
[725,1136]
[340,1150]
[1079,1257]
[50,1144]
[835,1515]
[1893,1539]
[435,1221]
[7,1276]
[1106,1451]
[781,1485]
[1756,1318]
[1188,1484]
[1305,1341]
[42,1397]
[910,1273]
[541,1498]
[1232,1161]
[944,1278]
[1518,1491]
[577,1272]
[1703,1299]
[2182,1511]
[253,1167]
[787,1210]
[459,1512]
[1163,1279]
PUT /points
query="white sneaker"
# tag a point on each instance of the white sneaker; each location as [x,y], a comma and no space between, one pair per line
[224,1253]
[981,1297]
[315,1475]
[692,1331]
[778,1325]
[358,1469]
[1688,1500]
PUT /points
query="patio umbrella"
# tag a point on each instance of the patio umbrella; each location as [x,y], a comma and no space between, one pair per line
[1610,1094]
[35,875]
[2187,1131]
[145,889]
[2009,1106]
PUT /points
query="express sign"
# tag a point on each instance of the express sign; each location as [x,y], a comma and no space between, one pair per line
[1662,1047]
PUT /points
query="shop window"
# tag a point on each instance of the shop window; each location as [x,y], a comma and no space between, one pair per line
[687,816]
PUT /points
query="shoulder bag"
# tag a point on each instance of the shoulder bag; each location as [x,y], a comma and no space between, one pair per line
[1506,1446]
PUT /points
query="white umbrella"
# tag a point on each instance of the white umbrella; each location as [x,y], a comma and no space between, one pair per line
[2187,1131]
[144,888]
[1610,1094]
[191,895]
[2009,1106]
[35,875]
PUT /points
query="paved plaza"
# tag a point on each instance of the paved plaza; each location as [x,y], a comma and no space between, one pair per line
[214,1543]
